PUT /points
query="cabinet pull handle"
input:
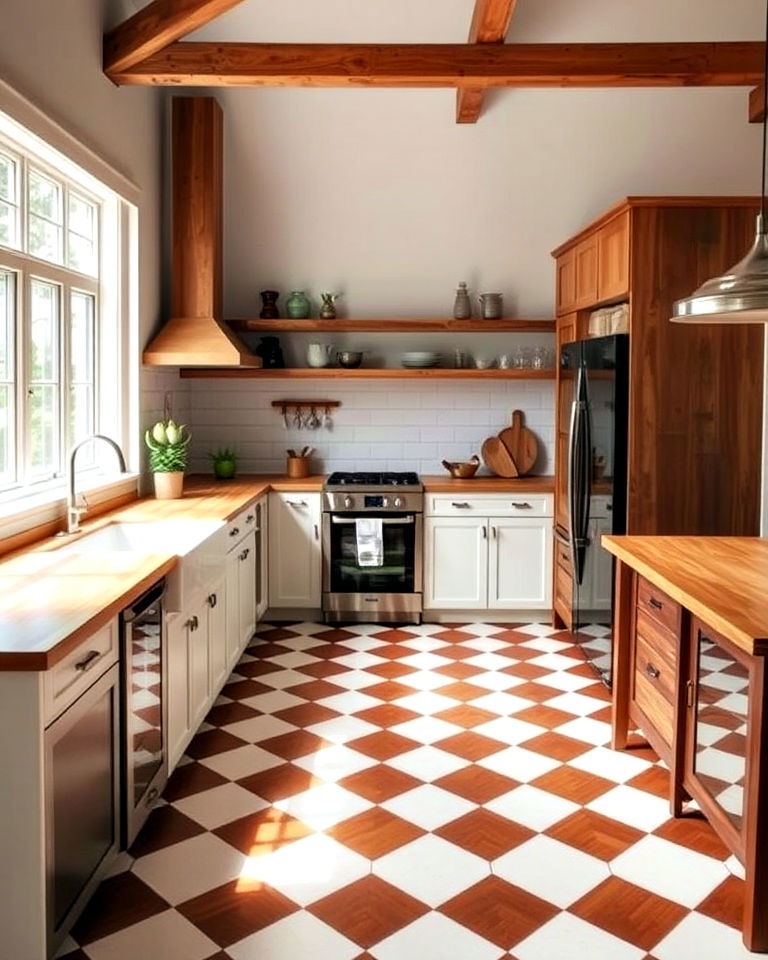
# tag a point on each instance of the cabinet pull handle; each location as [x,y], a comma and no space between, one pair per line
[244,554]
[460,504]
[689,693]
[88,660]
[193,623]
[317,532]
[485,533]
[493,532]
[212,600]
[652,672]
[521,505]
[249,518]
[564,556]
[234,531]
[656,604]
[296,503]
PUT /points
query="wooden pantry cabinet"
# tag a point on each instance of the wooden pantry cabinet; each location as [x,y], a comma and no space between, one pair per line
[695,393]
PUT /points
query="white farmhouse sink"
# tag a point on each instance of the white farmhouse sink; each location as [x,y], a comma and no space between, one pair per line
[200,545]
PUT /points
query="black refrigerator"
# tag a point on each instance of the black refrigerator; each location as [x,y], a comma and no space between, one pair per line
[594,391]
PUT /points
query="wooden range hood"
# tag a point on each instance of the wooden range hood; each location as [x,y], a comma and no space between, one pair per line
[194,336]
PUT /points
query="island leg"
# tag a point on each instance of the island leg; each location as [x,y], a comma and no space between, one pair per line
[622,659]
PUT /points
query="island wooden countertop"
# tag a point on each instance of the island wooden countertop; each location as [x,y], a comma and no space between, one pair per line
[723,580]
[447,484]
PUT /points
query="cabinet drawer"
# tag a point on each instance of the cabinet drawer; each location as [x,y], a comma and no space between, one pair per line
[563,585]
[71,676]
[242,524]
[563,556]
[658,605]
[656,663]
[655,706]
[491,505]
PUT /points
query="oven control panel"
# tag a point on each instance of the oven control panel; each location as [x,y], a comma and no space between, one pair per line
[361,502]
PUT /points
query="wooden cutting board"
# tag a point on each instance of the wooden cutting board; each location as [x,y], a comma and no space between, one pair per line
[521,443]
[497,458]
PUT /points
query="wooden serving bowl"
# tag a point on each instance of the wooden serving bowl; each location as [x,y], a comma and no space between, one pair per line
[462,469]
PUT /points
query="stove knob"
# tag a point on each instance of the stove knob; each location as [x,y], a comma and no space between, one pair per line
[348,502]
[385,501]
[398,501]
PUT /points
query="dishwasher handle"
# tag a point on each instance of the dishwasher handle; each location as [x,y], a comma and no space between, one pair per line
[154,595]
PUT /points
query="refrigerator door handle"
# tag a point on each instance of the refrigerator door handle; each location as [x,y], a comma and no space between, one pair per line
[579,477]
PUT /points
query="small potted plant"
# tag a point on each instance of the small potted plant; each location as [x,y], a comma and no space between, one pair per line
[224,463]
[167,442]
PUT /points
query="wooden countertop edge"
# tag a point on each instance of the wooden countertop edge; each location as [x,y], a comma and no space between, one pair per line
[441,484]
[45,659]
[749,643]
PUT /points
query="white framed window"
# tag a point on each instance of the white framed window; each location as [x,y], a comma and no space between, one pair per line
[64,277]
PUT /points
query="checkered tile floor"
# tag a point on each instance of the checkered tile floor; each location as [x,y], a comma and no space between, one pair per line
[427,793]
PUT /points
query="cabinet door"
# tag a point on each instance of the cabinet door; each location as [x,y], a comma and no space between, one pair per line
[294,550]
[262,567]
[520,563]
[217,635]
[246,559]
[199,670]
[586,272]
[456,563]
[613,259]
[177,687]
[566,281]
[232,578]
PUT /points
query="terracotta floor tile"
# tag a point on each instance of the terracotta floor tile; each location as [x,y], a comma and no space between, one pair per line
[379,783]
[291,746]
[374,833]
[597,690]
[262,833]
[211,742]
[461,690]
[466,715]
[386,715]
[470,745]
[485,833]
[191,778]
[276,633]
[725,903]
[368,910]
[629,912]
[242,689]
[595,834]
[511,635]
[517,652]
[477,783]
[605,716]
[165,825]
[583,670]
[383,745]
[557,746]
[574,784]
[266,649]
[236,910]
[118,902]
[526,671]
[637,745]
[453,635]
[306,714]
[538,692]
[654,780]
[390,670]
[455,651]
[694,831]
[458,670]
[330,651]
[388,690]
[543,716]
[322,669]
[257,668]
[392,636]
[277,783]
[315,690]
[227,713]
[499,911]
[334,635]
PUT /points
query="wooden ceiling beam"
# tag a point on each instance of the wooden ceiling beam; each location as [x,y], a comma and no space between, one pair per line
[154,27]
[757,104]
[490,23]
[450,65]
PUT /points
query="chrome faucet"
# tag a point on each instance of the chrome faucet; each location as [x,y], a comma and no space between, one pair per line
[73,511]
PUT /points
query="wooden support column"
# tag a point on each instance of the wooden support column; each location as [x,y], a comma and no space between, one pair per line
[490,23]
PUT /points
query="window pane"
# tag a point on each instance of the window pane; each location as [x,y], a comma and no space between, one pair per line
[82,216]
[43,433]
[8,175]
[81,423]
[7,419]
[44,333]
[7,374]
[9,224]
[44,197]
[81,254]
[81,338]
[44,239]
[7,315]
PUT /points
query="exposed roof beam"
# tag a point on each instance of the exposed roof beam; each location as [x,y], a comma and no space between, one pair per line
[757,104]
[154,27]
[490,23]
[451,65]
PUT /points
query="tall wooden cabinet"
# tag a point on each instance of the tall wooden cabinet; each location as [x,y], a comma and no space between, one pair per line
[695,405]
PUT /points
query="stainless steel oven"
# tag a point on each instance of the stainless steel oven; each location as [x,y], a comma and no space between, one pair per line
[390,588]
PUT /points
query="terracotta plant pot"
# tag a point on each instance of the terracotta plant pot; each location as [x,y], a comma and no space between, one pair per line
[169,486]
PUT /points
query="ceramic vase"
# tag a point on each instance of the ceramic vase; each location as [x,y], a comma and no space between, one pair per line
[297,305]
[269,309]
[462,307]
[169,485]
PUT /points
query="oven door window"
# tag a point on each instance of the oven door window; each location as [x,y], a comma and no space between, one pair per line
[396,573]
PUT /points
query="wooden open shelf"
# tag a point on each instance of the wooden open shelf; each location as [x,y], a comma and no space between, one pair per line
[362,373]
[439,325]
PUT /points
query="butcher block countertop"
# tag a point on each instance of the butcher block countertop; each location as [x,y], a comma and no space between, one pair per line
[723,580]
[446,484]
[50,602]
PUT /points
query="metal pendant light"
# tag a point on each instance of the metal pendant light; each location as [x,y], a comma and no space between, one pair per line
[741,294]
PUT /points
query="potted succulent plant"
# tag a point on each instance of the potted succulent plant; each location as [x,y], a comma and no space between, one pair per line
[167,442]
[224,463]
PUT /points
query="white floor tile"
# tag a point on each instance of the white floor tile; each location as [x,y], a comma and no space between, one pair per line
[293,659]
[166,936]
[351,701]
[596,732]
[532,807]
[509,730]
[567,936]
[670,870]
[343,729]
[427,644]
[423,660]
[355,679]
[300,936]
[488,661]
[256,729]
[276,699]
[323,806]
[431,869]
[426,729]
[427,763]
[280,679]
[502,703]
[736,867]
[551,870]
[575,703]
[335,762]
[307,870]
[496,681]
[241,762]
[637,808]
[519,763]
[565,681]
[434,937]
[219,805]
[189,868]
[363,644]
[425,680]
[360,659]
[699,937]
[485,644]
[536,629]
[425,702]
[428,806]
[546,644]
[554,661]
[614,765]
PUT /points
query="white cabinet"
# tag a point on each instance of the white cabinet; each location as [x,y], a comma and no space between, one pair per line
[217,634]
[240,573]
[262,565]
[295,572]
[491,552]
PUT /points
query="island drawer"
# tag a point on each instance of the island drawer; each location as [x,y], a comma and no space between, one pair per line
[656,663]
[658,605]
[654,704]
[70,677]
[490,505]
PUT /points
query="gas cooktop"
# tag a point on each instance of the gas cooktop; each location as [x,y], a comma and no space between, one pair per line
[360,480]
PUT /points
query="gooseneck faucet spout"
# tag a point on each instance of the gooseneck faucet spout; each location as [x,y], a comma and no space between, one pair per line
[73,511]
